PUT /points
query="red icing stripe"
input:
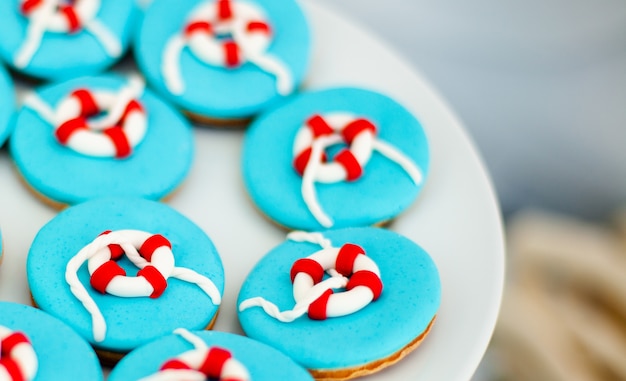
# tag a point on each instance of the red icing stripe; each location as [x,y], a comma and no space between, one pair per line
[231,51]
[72,18]
[318,126]
[29,6]
[9,342]
[224,9]
[308,266]
[347,160]
[119,140]
[368,279]
[258,26]
[132,106]
[317,309]
[65,130]
[155,278]
[345,258]
[115,249]
[13,369]
[151,244]
[301,161]
[174,364]
[198,26]
[103,275]
[356,127]
[214,362]
[88,106]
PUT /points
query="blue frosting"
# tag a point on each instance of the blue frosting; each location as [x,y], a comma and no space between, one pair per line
[63,55]
[61,353]
[7,105]
[157,166]
[131,321]
[219,92]
[262,362]
[383,191]
[409,301]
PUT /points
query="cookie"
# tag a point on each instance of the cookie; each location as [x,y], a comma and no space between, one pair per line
[68,152]
[336,158]
[342,303]
[214,355]
[36,346]
[124,271]
[223,61]
[57,39]
[7,105]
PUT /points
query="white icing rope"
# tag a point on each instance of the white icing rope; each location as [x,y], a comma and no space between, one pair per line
[57,17]
[224,33]
[150,253]
[322,131]
[201,363]
[348,267]
[18,360]
[77,123]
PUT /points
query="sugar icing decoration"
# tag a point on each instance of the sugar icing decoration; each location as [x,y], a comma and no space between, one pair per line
[151,253]
[201,363]
[61,16]
[225,34]
[18,360]
[98,123]
[320,132]
[348,268]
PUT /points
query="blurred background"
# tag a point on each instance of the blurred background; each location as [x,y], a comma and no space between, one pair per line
[541,87]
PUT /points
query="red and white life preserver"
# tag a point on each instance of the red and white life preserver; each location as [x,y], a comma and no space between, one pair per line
[349,269]
[151,253]
[18,360]
[58,16]
[224,33]
[100,123]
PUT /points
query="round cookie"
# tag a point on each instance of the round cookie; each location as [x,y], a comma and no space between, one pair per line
[142,149]
[44,347]
[335,158]
[74,270]
[223,61]
[383,305]
[7,105]
[57,39]
[242,358]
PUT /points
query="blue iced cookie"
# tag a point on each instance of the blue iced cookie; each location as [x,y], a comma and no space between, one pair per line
[55,39]
[124,271]
[223,59]
[38,347]
[216,355]
[7,105]
[335,158]
[370,292]
[100,136]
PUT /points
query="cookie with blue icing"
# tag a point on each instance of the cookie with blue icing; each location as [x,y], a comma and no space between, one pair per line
[364,288]
[214,355]
[338,157]
[98,136]
[223,60]
[55,39]
[124,271]
[38,347]
[7,105]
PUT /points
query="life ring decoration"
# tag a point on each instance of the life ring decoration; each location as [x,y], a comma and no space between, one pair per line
[79,123]
[151,253]
[225,34]
[18,360]
[61,16]
[201,363]
[349,269]
[320,132]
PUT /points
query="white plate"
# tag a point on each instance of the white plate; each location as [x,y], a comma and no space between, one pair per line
[456,218]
